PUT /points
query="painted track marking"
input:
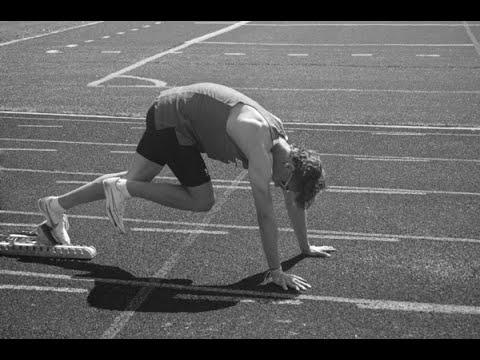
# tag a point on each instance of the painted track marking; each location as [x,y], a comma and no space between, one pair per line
[157,56]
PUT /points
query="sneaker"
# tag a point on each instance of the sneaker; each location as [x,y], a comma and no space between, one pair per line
[56,220]
[114,202]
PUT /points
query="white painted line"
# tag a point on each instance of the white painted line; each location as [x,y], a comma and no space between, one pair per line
[120,321]
[71,45]
[234,54]
[106,37]
[287,124]
[250,296]
[50,33]
[157,56]
[177,52]
[42,288]
[53,51]
[385,133]
[401,91]
[391,158]
[134,29]
[138,127]
[472,37]
[111,51]
[338,24]
[297,54]
[121,152]
[18,224]
[26,149]
[145,26]
[356,156]
[355,238]
[158,22]
[181,231]
[427,55]
[362,54]
[311,232]
[41,126]
[331,44]
[89,41]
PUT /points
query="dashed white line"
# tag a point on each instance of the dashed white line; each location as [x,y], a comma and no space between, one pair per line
[71,45]
[42,288]
[362,54]
[427,55]
[41,126]
[297,54]
[180,231]
[145,26]
[120,32]
[134,29]
[50,33]
[27,149]
[234,54]
[89,41]
[106,37]
[111,51]
[333,44]
[53,51]
[158,22]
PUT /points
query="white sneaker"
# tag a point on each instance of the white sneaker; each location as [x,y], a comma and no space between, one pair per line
[114,202]
[57,220]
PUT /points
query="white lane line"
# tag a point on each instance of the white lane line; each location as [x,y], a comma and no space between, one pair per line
[145,26]
[338,24]
[159,55]
[311,232]
[330,189]
[384,133]
[249,296]
[53,51]
[288,124]
[28,149]
[234,54]
[106,37]
[120,322]
[42,288]
[297,54]
[332,44]
[158,22]
[120,32]
[427,55]
[50,33]
[400,91]
[180,231]
[134,29]
[89,41]
[356,156]
[472,37]
[41,126]
[71,45]
[367,55]
[111,51]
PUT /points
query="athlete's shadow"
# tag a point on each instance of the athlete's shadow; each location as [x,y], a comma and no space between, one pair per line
[117,289]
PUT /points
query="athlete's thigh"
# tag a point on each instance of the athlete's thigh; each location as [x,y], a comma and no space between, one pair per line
[142,169]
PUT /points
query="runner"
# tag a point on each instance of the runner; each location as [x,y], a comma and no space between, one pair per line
[227,126]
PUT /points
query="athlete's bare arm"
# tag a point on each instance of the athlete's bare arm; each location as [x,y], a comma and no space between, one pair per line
[251,134]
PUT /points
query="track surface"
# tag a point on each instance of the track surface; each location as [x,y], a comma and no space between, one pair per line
[393,109]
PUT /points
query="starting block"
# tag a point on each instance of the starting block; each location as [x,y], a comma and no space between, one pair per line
[40,243]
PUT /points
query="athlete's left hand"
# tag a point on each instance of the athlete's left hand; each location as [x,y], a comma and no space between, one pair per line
[319,251]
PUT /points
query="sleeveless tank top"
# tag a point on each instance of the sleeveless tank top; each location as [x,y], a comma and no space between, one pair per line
[199,114]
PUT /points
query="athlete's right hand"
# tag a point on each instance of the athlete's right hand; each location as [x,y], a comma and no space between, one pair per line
[288,280]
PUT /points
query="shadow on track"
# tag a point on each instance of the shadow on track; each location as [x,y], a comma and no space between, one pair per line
[115,288]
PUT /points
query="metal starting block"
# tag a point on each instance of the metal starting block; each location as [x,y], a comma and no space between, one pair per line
[40,243]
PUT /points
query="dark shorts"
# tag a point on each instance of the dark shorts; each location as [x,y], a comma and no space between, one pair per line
[162,147]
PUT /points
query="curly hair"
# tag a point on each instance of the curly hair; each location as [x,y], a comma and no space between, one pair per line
[308,174]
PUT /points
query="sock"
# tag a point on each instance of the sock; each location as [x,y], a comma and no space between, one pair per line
[122,186]
[56,205]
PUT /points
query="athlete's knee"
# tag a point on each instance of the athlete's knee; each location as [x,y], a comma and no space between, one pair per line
[203,203]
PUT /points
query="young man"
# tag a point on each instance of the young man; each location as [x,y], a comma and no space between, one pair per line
[228,126]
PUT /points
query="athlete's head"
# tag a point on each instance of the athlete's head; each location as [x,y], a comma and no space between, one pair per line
[307,175]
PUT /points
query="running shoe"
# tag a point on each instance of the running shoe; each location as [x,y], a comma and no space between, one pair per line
[114,202]
[56,220]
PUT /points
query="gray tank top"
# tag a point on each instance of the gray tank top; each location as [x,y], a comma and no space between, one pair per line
[199,114]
